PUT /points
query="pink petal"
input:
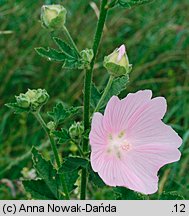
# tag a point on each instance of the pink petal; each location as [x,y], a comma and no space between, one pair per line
[119,112]
[146,128]
[97,134]
[152,143]
[125,173]
[121,52]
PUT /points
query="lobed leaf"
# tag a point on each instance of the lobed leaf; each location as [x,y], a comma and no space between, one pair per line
[62,136]
[73,163]
[119,84]
[38,189]
[67,54]
[61,113]
[46,171]
[51,54]
[70,169]
[95,178]
[16,109]
[95,96]
[65,48]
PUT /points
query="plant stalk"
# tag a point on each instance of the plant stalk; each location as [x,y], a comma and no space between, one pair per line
[109,84]
[70,39]
[55,151]
[87,88]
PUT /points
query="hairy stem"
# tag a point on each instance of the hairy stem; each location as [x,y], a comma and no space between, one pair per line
[54,149]
[87,88]
[109,84]
[70,39]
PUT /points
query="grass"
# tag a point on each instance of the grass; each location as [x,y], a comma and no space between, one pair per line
[156,36]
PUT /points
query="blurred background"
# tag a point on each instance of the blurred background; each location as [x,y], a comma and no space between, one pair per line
[157,40]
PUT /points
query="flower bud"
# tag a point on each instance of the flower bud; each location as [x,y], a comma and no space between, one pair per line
[37,98]
[76,130]
[23,101]
[87,56]
[31,94]
[42,96]
[117,63]
[53,16]
[51,126]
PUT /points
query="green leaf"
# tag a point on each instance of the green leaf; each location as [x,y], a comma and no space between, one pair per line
[70,169]
[73,163]
[130,3]
[70,179]
[38,189]
[51,54]
[123,193]
[67,54]
[118,85]
[61,113]
[16,109]
[62,136]
[95,178]
[71,64]
[95,95]
[46,171]
[64,47]
[173,195]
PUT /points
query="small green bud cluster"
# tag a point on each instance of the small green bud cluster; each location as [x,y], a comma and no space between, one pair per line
[51,126]
[32,99]
[86,56]
[117,63]
[53,16]
[76,130]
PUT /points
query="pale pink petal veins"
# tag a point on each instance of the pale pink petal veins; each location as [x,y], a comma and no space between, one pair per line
[98,134]
[136,122]
[119,112]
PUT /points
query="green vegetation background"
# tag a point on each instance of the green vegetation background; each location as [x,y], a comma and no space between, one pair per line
[157,39]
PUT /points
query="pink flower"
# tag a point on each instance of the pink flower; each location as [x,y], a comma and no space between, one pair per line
[130,143]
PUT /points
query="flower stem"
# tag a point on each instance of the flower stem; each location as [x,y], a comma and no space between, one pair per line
[55,151]
[109,84]
[70,39]
[87,88]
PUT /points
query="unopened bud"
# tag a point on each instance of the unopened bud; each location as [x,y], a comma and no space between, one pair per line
[42,96]
[87,56]
[23,101]
[37,98]
[76,130]
[51,126]
[117,63]
[53,16]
